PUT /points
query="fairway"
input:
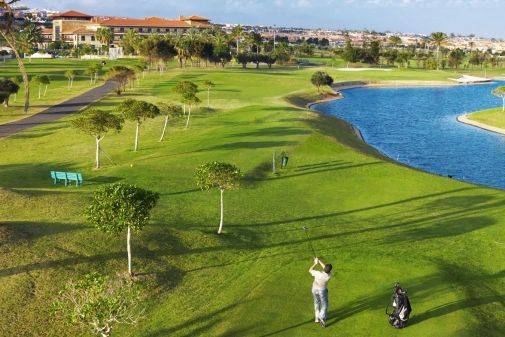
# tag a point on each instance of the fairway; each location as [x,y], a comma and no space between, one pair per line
[377,222]
[57,91]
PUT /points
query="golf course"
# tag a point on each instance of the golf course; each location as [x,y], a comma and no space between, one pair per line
[376,221]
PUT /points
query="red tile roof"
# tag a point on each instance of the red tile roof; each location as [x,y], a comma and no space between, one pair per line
[146,22]
[72,14]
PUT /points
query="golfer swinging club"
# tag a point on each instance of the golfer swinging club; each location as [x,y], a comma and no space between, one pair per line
[320,291]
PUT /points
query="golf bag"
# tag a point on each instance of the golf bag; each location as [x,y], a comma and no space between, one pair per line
[401,308]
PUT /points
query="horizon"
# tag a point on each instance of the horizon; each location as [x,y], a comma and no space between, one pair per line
[478,17]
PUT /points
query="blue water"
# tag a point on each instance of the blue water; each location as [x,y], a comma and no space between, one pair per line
[418,127]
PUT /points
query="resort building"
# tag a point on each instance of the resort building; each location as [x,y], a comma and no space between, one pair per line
[79,28]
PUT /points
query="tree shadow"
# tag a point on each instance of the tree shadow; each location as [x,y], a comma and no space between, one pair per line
[272,131]
[14,232]
[249,145]
[199,325]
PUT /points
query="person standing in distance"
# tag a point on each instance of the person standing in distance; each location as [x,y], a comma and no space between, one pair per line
[320,290]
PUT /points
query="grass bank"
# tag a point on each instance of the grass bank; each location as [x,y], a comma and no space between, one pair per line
[493,117]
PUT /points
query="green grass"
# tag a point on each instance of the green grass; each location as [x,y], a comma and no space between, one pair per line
[494,117]
[57,91]
[377,222]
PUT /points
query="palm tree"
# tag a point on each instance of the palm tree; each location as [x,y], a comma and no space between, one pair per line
[8,33]
[438,38]
[238,33]
[105,36]
[29,37]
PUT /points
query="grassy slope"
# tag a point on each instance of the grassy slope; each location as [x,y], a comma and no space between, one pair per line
[493,117]
[57,91]
[376,221]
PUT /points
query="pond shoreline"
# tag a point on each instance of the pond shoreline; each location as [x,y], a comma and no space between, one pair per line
[465,120]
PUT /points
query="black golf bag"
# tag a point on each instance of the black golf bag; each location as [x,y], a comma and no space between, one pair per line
[401,308]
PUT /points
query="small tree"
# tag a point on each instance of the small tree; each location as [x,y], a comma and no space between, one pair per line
[97,123]
[98,303]
[209,85]
[92,71]
[42,80]
[122,75]
[170,111]
[321,78]
[137,111]
[117,207]
[218,175]
[70,75]
[185,88]
[190,100]
[500,92]
[7,88]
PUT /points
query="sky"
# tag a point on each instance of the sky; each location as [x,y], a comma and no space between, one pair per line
[480,17]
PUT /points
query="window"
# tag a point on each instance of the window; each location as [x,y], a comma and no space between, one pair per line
[92,38]
[83,38]
[121,29]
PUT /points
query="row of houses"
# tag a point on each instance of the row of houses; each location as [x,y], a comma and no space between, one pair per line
[80,28]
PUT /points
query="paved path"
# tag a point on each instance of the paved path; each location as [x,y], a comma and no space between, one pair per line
[56,111]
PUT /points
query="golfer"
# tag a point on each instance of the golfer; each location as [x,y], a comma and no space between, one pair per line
[320,290]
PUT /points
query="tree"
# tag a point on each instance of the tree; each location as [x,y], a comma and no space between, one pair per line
[190,99]
[170,111]
[122,75]
[185,88]
[131,42]
[42,80]
[92,71]
[7,88]
[238,33]
[438,38]
[164,51]
[97,123]
[70,75]
[500,92]
[223,176]
[456,57]
[243,59]
[8,32]
[350,54]
[209,85]
[99,303]
[321,78]
[29,36]
[137,111]
[120,207]
[395,41]
[105,36]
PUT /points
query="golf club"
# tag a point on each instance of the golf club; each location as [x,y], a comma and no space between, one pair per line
[305,229]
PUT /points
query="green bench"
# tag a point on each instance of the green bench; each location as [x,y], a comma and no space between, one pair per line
[66,177]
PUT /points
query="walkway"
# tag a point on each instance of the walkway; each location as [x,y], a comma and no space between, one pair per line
[56,111]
